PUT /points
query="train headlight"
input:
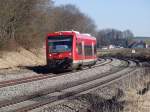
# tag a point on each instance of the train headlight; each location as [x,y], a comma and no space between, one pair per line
[70,54]
[60,56]
[50,55]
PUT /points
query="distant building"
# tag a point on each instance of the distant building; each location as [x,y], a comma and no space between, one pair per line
[137,44]
[111,46]
[140,42]
[104,48]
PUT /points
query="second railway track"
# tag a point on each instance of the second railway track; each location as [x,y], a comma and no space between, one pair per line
[42,76]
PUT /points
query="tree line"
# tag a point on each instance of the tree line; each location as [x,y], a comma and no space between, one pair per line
[114,37]
[26,22]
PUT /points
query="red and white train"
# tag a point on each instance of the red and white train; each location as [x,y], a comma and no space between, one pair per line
[70,50]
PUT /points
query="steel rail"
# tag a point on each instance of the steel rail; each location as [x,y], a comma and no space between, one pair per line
[73,91]
[40,77]
[47,91]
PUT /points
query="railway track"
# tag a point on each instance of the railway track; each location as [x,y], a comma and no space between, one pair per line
[47,96]
[41,76]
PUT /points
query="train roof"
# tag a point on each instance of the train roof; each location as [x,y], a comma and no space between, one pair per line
[79,35]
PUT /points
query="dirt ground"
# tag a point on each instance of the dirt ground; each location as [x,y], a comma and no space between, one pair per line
[22,57]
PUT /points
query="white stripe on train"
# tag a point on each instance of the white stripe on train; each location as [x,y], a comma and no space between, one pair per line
[85,60]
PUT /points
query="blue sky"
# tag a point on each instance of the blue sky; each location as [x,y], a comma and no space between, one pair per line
[118,14]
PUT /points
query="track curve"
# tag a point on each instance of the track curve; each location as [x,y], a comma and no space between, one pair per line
[72,90]
[45,76]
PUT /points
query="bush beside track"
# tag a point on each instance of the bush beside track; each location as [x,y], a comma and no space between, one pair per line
[140,54]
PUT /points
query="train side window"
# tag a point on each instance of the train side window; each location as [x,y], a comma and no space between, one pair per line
[79,46]
[95,49]
[88,50]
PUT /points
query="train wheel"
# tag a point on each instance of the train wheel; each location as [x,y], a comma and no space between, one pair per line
[90,66]
[80,67]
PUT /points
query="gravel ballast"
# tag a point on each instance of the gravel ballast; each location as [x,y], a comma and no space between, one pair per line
[27,88]
[110,98]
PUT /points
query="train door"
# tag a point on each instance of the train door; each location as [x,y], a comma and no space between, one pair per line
[83,53]
[93,53]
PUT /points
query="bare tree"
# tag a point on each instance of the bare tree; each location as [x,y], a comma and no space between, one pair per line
[112,36]
[68,17]
[19,19]
[27,21]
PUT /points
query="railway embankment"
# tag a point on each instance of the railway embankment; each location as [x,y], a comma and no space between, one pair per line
[21,57]
[130,94]
[71,82]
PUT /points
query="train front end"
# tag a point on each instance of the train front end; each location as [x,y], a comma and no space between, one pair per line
[59,47]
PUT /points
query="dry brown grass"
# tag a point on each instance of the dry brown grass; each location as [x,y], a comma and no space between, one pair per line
[128,95]
[137,95]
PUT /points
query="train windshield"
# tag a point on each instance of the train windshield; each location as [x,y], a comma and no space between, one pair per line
[60,44]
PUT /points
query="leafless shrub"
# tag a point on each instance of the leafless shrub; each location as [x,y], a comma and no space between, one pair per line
[68,17]
[100,104]
[115,37]
[26,22]
[21,20]
[127,94]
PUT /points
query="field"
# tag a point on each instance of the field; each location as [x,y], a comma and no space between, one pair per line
[143,54]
